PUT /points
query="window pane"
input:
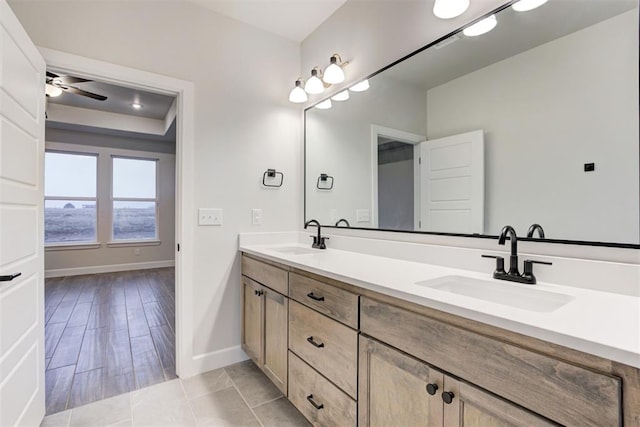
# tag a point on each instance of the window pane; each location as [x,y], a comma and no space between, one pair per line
[134,220]
[69,221]
[134,178]
[69,175]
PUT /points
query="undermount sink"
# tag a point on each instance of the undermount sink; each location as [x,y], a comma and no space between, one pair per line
[294,250]
[524,297]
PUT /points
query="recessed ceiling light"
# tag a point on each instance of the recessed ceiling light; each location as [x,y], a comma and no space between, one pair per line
[136,106]
[447,9]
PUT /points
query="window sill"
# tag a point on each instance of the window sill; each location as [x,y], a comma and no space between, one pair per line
[125,243]
[71,246]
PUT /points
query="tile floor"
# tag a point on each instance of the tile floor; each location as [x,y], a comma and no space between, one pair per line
[107,334]
[237,395]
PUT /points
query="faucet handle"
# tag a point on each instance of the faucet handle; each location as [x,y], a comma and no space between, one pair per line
[499,263]
[321,244]
[528,269]
[315,244]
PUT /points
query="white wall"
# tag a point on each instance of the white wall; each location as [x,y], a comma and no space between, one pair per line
[60,261]
[244,124]
[338,142]
[544,121]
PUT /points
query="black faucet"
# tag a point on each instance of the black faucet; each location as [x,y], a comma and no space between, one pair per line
[513,259]
[343,220]
[318,241]
[514,275]
[533,229]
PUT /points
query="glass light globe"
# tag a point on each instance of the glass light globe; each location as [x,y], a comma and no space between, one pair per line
[360,87]
[324,105]
[525,5]
[481,27]
[334,73]
[52,90]
[447,9]
[297,94]
[341,96]
[314,85]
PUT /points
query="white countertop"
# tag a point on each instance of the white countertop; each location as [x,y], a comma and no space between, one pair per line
[600,323]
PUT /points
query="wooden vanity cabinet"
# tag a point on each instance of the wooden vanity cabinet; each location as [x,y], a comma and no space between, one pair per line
[397,389]
[265,320]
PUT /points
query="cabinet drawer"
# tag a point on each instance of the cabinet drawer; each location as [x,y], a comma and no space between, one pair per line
[330,347]
[334,302]
[269,275]
[320,401]
[565,393]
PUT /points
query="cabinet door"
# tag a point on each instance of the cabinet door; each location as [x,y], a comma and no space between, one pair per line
[393,388]
[252,331]
[473,407]
[275,338]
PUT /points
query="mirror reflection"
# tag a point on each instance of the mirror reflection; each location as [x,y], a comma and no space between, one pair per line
[535,121]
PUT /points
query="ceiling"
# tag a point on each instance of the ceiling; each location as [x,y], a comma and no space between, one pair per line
[292,19]
[119,100]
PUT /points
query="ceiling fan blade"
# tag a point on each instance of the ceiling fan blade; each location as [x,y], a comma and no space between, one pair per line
[71,80]
[81,92]
[52,75]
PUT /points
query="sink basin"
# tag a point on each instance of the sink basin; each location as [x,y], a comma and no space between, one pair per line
[294,250]
[524,297]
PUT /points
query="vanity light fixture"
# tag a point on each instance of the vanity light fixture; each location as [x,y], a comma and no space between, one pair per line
[334,73]
[324,105]
[314,85]
[525,5]
[360,86]
[481,27]
[447,9]
[52,90]
[297,94]
[341,96]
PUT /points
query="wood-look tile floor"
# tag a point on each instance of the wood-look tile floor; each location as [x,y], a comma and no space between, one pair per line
[107,334]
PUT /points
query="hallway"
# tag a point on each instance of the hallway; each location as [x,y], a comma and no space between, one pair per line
[107,334]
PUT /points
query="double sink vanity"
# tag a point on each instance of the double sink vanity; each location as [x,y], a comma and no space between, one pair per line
[357,339]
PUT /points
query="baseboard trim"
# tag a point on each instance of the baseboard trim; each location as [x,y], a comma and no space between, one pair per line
[216,359]
[112,268]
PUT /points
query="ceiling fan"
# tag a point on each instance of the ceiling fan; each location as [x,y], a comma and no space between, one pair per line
[57,84]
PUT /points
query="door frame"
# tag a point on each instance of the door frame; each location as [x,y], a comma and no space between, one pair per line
[185,145]
[408,138]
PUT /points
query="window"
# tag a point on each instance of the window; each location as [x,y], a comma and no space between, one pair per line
[134,197]
[70,198]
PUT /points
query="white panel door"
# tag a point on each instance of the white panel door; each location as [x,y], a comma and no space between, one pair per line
[22,100]
[452,184]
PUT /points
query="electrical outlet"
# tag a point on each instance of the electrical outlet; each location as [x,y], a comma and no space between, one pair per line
[256,216]
[209,216]
[362,215]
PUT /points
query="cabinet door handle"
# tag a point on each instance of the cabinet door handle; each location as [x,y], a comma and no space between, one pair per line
[315,298]
[9,277]
[315,344]
[432,388]
[447,397]
[315,405]
[259,293]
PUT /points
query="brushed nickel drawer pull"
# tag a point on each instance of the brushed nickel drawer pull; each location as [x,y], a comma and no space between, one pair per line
[315,344]
[315,405]
[315,298]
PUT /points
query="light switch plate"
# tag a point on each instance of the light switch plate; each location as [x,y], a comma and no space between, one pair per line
[209,216]
[256,216]
[362,215]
